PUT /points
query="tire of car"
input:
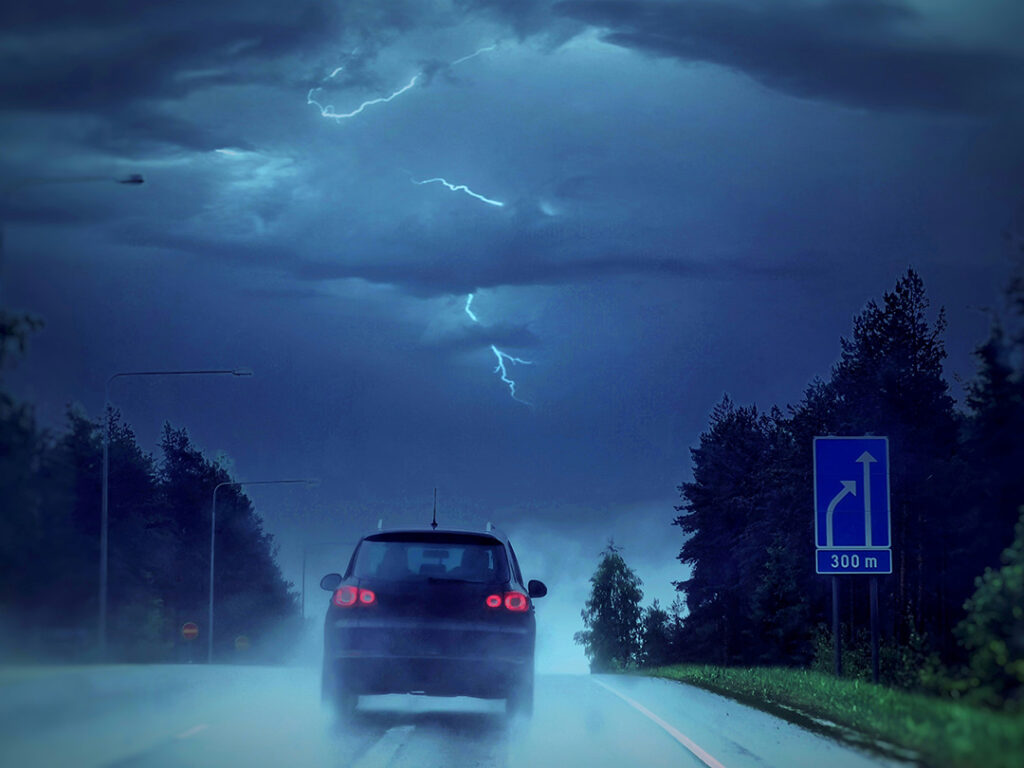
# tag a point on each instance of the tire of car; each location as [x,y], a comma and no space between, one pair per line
[338,696]
[345,701]
[519,702]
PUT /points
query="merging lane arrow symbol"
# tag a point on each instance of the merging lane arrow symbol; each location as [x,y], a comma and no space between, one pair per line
[866,459]
[849,489]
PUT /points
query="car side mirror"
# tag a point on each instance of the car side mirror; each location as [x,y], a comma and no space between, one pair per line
[536,588]
[330,582]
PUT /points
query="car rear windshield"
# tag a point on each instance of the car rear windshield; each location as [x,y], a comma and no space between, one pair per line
[418,557]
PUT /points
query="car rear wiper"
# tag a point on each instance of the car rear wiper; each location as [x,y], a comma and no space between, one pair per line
[440,579]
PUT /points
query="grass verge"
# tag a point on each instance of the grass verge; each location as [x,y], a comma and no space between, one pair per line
[931,731]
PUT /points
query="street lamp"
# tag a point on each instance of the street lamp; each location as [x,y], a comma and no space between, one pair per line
[309,482]
[106,473]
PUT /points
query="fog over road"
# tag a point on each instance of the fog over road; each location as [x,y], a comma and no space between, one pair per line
[207,717]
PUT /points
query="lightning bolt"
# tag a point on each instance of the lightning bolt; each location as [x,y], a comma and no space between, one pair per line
[461,188]
[474,54]
[328,111]
[502,357]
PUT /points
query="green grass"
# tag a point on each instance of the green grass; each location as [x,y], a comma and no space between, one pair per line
[935,732]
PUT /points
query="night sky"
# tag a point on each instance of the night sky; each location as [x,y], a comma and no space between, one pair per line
[653,203]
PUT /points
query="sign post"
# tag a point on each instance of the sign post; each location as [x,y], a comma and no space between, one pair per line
[852,525]
[189,632]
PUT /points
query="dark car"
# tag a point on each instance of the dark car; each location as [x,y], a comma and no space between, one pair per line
[437,612]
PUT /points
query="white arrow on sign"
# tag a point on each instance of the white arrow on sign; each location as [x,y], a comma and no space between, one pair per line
[849,489]
[866,459]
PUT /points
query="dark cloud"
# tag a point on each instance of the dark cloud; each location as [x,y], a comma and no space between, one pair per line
[454,276]
[300,293]
[434,271]
[528,19]
[123,53]
[857,53]
[143,130]
[119,62]
[478,336]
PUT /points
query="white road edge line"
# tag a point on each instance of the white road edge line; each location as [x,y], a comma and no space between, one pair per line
[675,733]
[381,753]
[192,731]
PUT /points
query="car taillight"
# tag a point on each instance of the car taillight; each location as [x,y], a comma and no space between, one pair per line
[513,601]
[516,601]
[346,597]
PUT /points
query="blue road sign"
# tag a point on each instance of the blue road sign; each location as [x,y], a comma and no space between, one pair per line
[851,505]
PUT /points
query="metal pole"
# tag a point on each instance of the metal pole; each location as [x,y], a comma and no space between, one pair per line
[104,503]
[874,629]
[837,657]
[104,522]
[213,533]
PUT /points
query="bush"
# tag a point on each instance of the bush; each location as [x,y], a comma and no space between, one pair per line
[993,633]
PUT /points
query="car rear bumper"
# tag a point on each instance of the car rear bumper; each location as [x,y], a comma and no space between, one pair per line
[485,679]
[439,659]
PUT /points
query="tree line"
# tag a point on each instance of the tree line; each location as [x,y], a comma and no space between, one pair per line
[951,616]
[159,541]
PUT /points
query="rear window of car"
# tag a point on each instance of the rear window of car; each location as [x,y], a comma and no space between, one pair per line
[416,557]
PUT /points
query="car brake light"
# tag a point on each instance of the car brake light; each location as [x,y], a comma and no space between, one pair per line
[347,596]
[516,601]
[493,601]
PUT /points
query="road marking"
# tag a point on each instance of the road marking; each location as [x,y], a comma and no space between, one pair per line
[383,751]
[675,733]
[192,731]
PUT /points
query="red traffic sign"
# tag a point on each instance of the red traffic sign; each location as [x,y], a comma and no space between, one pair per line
[190,630]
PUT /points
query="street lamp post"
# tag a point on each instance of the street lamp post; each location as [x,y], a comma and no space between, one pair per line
[104,516]
[213,536]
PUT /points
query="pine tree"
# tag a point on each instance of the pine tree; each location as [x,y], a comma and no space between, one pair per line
[889,381]
[723,514]
[655,636]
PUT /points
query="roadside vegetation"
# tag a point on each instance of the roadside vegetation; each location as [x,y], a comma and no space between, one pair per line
[932,731]
[159,540]
[753,619]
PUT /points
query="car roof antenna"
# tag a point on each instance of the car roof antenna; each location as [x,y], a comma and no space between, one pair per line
[433,523]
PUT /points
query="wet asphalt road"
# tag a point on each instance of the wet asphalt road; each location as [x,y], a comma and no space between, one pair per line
[257,717]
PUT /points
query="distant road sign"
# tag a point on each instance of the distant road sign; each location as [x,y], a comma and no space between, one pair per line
[190,630]
[852,530]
